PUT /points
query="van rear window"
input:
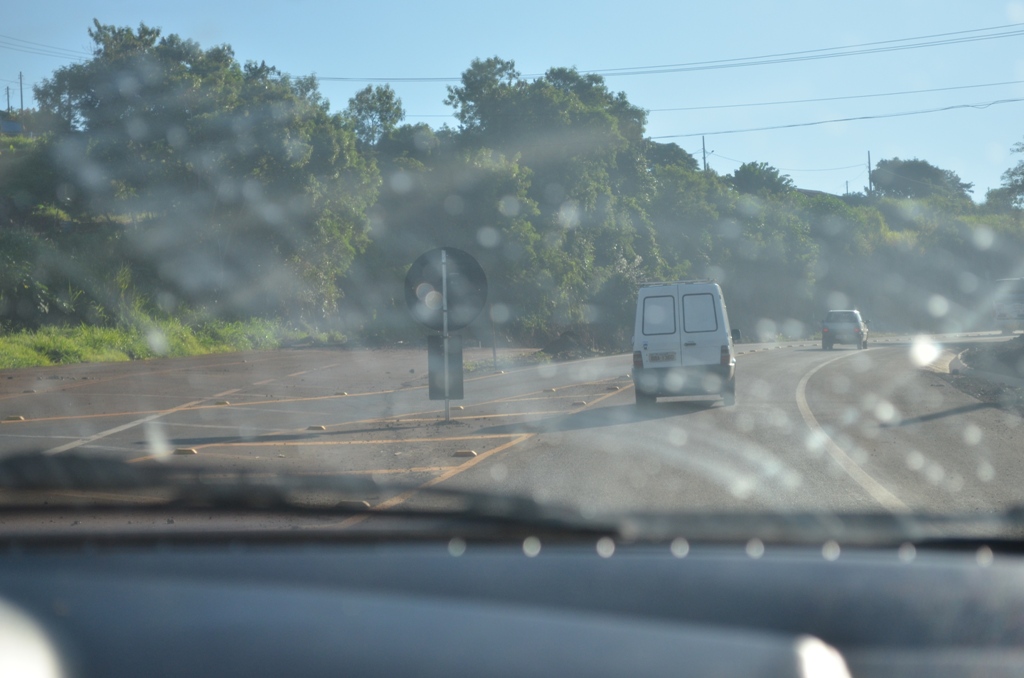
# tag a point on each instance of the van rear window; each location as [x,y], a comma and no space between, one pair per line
[699,313]
[659,315]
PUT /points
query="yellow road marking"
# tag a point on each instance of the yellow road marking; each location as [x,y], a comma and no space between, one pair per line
[92,381]
[378,441]
[124,427]
[396,471]
[315,369]
[497,415]
[454,471]
[329,443]
[134,499]
[451,473]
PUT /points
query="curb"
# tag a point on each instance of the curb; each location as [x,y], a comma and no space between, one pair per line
[944,364]
[957,366]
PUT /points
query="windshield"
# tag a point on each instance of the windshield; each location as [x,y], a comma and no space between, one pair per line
[578,256]
[842,317]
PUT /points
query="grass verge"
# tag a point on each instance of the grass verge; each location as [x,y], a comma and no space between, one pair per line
[153,339]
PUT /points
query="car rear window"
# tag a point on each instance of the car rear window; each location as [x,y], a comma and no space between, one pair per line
[699,313]
[659,315]
[842,317]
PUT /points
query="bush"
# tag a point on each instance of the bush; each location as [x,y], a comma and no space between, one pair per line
[146,338]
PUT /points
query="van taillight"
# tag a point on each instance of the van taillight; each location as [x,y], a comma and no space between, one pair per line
[638,359]
[726,355]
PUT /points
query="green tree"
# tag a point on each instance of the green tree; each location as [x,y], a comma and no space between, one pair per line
[484,87]
[1005,199]
[664,155]
[1012,189]
[234,185]
[375,113]
[589,174]
[760,178]
[917,179]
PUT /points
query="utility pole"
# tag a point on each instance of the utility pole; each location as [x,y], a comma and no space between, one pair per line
[21,88]
[847,188]
[8,98]
[704,152]
[871,186]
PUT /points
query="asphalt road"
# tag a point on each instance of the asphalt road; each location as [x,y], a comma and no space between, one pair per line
[846,429]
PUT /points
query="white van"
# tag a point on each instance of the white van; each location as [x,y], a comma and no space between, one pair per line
[682,342]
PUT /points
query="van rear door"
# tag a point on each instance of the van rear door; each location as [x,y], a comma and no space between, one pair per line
[702,327]
[659,326]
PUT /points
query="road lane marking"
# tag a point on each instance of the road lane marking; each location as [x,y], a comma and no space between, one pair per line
[340,443]
[877,491]
[196,405]
[326,443]
[111,431]
[315,369]
[496,415]
[394,471]
[127,498]
[90,381]
[454,471]
[132,424]
[409,494]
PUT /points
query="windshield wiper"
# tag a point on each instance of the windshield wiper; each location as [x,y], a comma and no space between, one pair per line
[94,482]
[78,481]
[60,474]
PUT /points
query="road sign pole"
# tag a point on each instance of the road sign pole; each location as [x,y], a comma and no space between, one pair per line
[494,337]
[444,320]
[454,278]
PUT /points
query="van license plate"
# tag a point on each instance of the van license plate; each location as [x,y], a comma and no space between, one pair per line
[662,357]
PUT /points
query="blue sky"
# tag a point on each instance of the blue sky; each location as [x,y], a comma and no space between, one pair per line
[406,39]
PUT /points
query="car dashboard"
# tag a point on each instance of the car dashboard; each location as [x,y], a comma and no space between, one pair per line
[250,607]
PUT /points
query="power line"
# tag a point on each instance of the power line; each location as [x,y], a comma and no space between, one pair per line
[919,42]
[824,53]
[78,52]
[979,106]
[790,169]
[824,169]
[837,98]
[19,45]
[330,78]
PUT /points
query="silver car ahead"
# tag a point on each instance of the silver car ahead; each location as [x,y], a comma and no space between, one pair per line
[843,327]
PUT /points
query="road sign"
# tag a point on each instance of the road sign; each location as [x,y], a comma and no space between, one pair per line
[425,288]
[445,289]
[444,368]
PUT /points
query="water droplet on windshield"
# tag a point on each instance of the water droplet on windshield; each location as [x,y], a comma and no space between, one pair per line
[972,434]
[923,351]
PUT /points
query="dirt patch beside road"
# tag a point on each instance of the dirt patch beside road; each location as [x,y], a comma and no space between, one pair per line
[1004,358]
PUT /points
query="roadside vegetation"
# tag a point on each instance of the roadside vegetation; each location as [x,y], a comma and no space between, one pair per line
[172,200]
[56,345]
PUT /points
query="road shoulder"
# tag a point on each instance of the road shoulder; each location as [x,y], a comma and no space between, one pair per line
[989,372]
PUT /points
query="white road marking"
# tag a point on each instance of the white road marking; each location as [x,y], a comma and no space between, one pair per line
[883,496]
